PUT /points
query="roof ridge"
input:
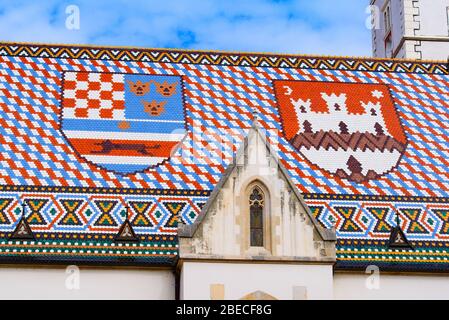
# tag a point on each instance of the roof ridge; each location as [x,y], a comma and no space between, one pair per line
[223,52]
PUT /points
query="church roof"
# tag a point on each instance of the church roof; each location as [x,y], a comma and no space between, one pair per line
[91,137]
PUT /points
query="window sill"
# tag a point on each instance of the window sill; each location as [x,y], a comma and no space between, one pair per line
[257,251]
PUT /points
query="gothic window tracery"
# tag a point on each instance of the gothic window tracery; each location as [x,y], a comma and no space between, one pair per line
[256,206]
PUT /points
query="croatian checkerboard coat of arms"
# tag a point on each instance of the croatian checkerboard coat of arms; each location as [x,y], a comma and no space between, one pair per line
[124,123]
[349,130]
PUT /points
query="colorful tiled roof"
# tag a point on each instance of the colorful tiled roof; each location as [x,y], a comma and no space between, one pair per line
[87,131]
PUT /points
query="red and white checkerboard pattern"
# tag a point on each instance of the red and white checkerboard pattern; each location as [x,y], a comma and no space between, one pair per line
[93,95]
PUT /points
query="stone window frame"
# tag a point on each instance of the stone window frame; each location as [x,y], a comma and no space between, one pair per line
[256,223]
[266,249]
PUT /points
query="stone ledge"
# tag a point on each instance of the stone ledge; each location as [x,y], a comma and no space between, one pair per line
[258,259]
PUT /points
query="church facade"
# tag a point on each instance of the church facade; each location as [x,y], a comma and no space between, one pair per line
[129,173]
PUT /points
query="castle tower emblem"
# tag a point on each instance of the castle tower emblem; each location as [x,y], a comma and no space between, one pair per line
[350,130]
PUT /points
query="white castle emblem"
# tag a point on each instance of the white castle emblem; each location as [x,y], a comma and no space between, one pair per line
[358,146]
[371,121]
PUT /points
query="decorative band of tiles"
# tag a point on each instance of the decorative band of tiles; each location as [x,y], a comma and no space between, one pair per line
[392,266]
[219,58]
[143,191]
[361,254]
[98,214]
[351,255]
[353,243]
[352,197]
[374,220]
[49,236]
[89,249]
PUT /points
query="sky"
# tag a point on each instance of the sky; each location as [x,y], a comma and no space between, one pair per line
[322,27]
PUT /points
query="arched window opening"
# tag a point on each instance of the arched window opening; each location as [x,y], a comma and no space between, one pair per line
[256,205]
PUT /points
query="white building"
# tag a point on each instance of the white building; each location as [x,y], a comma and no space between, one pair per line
[412,29]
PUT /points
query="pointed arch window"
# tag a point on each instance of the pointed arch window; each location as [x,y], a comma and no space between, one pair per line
[256,206]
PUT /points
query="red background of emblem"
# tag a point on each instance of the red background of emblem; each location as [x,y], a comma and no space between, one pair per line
[356,93]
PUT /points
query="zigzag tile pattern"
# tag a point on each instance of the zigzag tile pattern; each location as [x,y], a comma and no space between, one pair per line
[355,141]
[374,219]
[97,213]
[191,57]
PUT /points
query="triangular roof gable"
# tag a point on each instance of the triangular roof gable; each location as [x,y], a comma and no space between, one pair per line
[22,231]
[189,231]
[126,233]
[398,239]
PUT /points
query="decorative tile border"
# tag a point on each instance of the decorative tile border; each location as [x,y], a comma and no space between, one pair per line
[219,58]
[354,197]
[358,255]
[89,213]
[374,220]
[143,191]
[79,251]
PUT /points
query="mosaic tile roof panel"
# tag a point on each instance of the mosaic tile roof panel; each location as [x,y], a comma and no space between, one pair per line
[86,132]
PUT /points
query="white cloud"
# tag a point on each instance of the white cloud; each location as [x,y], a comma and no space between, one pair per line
[301,26]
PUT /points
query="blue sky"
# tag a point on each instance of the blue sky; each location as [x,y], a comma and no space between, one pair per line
[326,27]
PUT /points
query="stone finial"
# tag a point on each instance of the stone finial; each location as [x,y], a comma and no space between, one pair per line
[255,118]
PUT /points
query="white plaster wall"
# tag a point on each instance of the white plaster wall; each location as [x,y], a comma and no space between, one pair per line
[433,18]
[352,287]
[50,283]
[240,279]
[434,50]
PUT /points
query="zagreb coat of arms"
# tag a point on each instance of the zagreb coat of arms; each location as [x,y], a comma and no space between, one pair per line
[124,123]
[350,130]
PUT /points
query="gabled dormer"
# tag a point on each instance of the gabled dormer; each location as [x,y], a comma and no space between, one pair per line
[257,215]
